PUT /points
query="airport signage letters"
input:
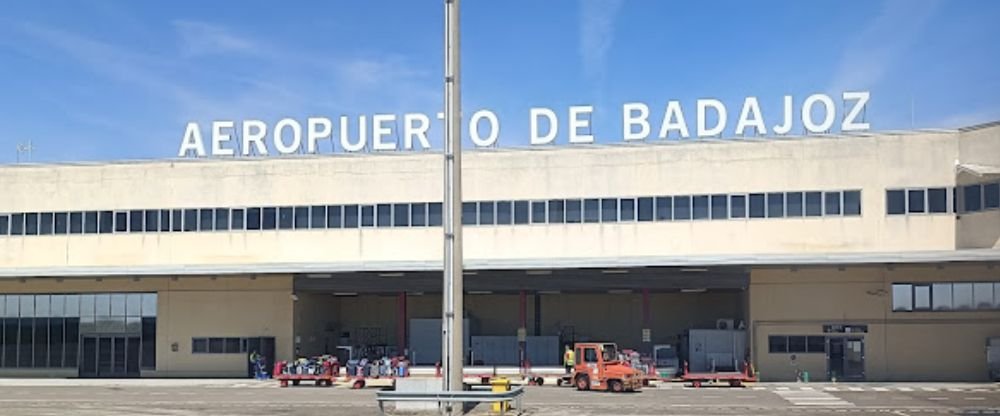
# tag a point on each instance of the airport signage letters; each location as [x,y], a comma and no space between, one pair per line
[817,114]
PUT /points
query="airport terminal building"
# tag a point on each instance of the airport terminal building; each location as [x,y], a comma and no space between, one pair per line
[870,256]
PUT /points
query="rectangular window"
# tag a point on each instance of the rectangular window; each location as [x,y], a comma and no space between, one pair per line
[832,203]
[775,205]
[852,203]
[738,206]
[962,296]
[216,345]
[937,200]
[253,218]
[61,220]
[895,202]
[353,215]
[557,211]
[505,212]
[487,213]
[176,220]
[609,210]
[418,215]
[815,344]
[991,195]
[335,216]
[814,204]
[135,221]
[45,223]
[147,358]
[31,224]
[537,212]
[469,213]
[645,209]
[921,297]
[521,212]
[664,208]
[699,207]
[591,210]
[682,207]
[796,344]
[301,215]
[574,211]
[190,220]
[915,201]
[286,218]
[90,222]
[434,214]
[232,345]
[121,222]
[5,224]
[317,216]
[902,297]
[383,217]
[221,219]
[941,296]
[164,220]
[973,197]
[627,206]
[400,215]
[794,204]
[206,219]
[982,295]
[720,207]
[269,218]
[757,206]
[777,344]
[17,224]
[199,345]
[152,220]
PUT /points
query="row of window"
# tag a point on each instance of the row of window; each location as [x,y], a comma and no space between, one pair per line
[555,211]
[56,342]
[231,345]
[969,198]
[966,296]
[86,306]
[778,344]
[980,197]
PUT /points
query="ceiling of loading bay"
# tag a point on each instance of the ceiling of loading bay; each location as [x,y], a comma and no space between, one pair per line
[657,279]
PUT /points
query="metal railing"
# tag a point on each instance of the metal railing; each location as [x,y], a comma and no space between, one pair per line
[514,395]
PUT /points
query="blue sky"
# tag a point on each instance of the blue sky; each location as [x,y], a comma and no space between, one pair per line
[102,80]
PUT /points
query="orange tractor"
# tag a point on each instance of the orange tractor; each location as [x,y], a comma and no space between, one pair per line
[598,367]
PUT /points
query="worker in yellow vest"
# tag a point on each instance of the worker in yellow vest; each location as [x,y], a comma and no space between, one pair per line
[569,359]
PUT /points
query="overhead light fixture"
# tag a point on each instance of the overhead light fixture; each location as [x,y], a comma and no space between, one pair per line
[694,269]
[319,276]
[620,291]
[615,271]
[539,272]
[345,293]
[470,273]
[699,290]
[394,274]
[415,294]
[549,292]
[480,292]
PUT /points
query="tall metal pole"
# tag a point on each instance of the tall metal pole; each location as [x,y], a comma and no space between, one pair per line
[452,351]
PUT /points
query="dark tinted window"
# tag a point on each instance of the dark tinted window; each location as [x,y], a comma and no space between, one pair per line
[367,215]
[574,210]
[699,207]
[286,218]
[237,219]
[335,216]
[190,220]
[682,207]
[797,344]
[627,206]
[135,221]
[301,218]
[31,224]
[991,195]
[915,200]
[317,216]
[504,212]
[645,209]
[521,212]
[720,207]
[165,220]
[152,220]
[794,204]
[45,223]
[487,213]
[383,215]
[591,210]
[221,219]
[937,200]
[90,222]
[738,206]
[269,218]
[61,224]
[756,205]
[434,214]
[895,202]
[199,345]
[777,344]
[469,213]
[401,215]
[418,215]
[75,223]
[664,208]
[253,218]
[557,211]
[775,205]
[352,217]
[852,203]
[17,224]
[609,210]
[972,196]
[815,344]
[5,224]
[206,219]
[537,212]
[832,203]
[814,204]
[176,220]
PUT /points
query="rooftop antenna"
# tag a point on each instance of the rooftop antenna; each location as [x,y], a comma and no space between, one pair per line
[26,148]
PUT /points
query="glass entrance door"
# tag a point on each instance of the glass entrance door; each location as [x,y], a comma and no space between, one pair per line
[846,358]
[109,356]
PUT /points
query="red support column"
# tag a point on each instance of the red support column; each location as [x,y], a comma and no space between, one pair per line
[647,318]
[401,323]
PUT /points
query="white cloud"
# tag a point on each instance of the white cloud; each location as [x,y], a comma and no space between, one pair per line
[201,38]
[871,52]
[597,27]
